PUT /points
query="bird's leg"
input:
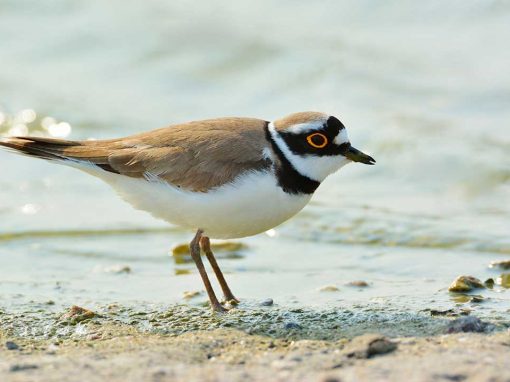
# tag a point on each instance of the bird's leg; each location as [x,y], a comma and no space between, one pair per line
[205,244]
[194,249]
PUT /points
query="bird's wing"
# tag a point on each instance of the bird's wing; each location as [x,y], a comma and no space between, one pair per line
[196,156]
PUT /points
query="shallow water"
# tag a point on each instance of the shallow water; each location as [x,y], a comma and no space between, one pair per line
[424,88]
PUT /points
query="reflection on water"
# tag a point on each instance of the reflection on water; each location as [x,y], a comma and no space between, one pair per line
[423,87]
[25,122]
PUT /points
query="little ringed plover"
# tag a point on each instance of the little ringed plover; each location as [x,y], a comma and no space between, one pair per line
[225,177]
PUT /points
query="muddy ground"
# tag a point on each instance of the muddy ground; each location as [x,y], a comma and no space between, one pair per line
[259,344]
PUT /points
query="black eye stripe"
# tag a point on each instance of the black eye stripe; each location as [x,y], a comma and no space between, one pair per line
[299,144]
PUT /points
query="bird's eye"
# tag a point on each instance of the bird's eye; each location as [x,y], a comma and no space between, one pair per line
[317,140]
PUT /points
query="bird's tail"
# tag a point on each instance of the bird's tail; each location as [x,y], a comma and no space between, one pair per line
[66,152]
[44,148]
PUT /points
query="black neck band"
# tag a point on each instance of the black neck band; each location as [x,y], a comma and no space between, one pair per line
[289,179]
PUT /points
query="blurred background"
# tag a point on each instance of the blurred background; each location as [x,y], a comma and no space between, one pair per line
[424,87]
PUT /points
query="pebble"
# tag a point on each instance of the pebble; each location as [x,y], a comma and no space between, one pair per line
[489,283]
[118,269]
[77,314]
[187,295]
[449,312]
[451,377]
[180,249]
[465,284]
[467,324]
[267,302]
[228,246]
[291,325]
[358,283]
[329,288]
[11,345]
[331,379]
[219,246]
[94,336]
[22,367]
[368,346]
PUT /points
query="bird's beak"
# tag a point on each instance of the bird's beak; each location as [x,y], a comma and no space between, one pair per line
[357,156]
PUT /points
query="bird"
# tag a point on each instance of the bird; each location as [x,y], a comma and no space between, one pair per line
[223,178]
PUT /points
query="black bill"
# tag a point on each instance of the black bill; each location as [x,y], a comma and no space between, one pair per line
[357,156]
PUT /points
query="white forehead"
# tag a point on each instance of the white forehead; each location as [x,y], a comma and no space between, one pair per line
[341,137]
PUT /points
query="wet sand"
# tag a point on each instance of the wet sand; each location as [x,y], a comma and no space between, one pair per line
[256,344]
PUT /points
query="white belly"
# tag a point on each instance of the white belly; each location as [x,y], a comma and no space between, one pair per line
[251,205]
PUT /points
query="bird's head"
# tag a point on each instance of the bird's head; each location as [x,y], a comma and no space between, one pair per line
[316,144]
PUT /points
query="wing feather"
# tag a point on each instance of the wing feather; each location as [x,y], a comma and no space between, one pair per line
[198,156]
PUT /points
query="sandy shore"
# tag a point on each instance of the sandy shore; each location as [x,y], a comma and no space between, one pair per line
[226,354]
[80,345]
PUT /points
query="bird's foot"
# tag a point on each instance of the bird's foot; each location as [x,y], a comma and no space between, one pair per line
[231,301]
[218,308]
[230,304]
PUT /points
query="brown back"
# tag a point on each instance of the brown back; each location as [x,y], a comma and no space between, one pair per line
[197,156]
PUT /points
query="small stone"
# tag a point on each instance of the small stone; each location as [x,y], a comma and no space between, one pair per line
[368,346]
[435,312]
[451,377]
[50,302]
[358,283]
[216,246]
[489,283]
[11,345]
[94,336]
[461,298]
[477,299]
[467,324]
[505,264]
[22,367]
[227,246]
[329,288]
[267,302]
[180,250]
[465,284]
[77,314]
[188,295]
[291,325]
[118,269]
[159,374]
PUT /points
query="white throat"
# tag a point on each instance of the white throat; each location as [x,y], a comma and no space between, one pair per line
[311,166]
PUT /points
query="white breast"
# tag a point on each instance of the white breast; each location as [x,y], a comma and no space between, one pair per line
[250,205]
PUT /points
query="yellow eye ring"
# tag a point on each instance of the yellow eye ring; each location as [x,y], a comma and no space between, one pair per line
[317,140]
